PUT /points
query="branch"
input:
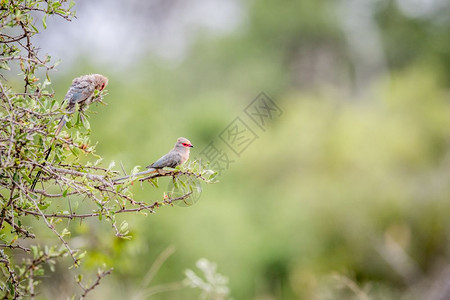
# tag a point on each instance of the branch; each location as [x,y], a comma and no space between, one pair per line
[14,247]
[12,275]
[82,174]
[173,174]
[3,212]
[66,17]
[100,275]
[12,39]
[96,214]
[19,229]
[52,228]
[48,195]
[31,266]
[27,59]
[10,110]
[162,173]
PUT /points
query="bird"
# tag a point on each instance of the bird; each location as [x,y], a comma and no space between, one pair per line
[81,92]
[175,157]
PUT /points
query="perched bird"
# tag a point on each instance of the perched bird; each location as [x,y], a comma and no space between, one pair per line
[81,92]
[177,156]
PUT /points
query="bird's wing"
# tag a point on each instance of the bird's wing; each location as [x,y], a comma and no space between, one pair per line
[78,92]
[170,160]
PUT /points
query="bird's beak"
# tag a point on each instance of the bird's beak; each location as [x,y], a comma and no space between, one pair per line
[191,146]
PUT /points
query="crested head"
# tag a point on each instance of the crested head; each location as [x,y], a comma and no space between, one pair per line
[184,143]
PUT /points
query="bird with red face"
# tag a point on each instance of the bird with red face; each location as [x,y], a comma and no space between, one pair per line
[175,157]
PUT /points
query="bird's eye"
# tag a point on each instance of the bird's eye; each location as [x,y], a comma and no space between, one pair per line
[184,144]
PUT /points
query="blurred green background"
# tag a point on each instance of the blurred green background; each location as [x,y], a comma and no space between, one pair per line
[344,196]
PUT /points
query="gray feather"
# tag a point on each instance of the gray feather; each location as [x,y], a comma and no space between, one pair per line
[170,160]
[80,92]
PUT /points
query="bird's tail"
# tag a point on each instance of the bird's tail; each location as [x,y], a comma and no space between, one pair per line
[61,124]
[148,171]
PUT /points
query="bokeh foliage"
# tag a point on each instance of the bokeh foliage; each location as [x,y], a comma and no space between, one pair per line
[344,190]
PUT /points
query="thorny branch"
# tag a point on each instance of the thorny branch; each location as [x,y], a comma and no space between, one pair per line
[141,207]
[28,120]
[71,252]
[15,247]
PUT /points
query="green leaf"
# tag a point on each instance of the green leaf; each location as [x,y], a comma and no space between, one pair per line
[81,255]
[28,179]
[123,227]
[86,123]
[39,272]
[11,289]
[154,181]
[75,151]
[35,29]
[44,205]
[44,22]
[34,250]
[62,12]
[65,232]
[16,177]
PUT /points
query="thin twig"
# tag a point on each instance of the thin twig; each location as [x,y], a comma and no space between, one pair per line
[89,289]
[52,228]
[15,247]
[96,214]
